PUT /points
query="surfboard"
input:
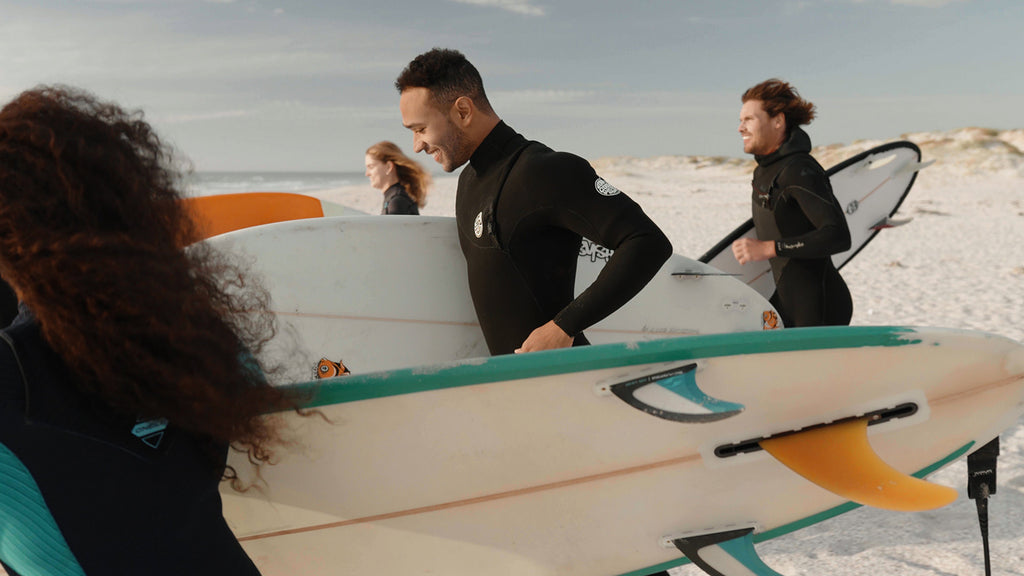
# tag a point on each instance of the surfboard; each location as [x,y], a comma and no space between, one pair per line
[870,186]
[620,458]
[383,292]
[222,213]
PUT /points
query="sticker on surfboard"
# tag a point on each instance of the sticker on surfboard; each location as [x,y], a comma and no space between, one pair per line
[329,369]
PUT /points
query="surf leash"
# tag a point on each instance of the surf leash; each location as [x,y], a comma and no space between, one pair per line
[981,483]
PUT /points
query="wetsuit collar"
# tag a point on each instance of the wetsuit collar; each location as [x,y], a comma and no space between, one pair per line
[798,141]
[497,145]
[393,190]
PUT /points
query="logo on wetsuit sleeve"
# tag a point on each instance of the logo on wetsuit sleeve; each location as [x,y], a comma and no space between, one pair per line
[605,189]
[478,225]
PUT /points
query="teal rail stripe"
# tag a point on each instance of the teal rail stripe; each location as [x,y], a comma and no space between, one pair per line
[808,521]
[30,541]
[352,388]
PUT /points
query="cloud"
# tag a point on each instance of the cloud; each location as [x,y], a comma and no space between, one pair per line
[184,118]
[541,97]
[517,6]
[926,3]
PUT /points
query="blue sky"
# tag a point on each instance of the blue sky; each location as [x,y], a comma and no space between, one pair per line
[308,85]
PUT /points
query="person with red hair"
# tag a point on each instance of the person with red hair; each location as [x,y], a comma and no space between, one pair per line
[131,367]
[798,220]
[401,180]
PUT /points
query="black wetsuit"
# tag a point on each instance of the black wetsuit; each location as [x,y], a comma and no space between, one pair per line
[119,496]
[398,201]
[793,205]
[521,211]
[8,304]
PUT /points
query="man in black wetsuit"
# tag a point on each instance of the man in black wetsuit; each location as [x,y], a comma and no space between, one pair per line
[521,210]
[798,220]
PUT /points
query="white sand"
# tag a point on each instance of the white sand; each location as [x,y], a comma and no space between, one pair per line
[958,264]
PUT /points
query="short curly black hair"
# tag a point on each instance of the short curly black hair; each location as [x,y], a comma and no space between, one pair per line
[448,75]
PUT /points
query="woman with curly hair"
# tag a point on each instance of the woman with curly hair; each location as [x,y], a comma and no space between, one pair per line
[401,179]
[133,364]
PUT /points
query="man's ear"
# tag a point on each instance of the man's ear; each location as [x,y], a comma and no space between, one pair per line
[462,110]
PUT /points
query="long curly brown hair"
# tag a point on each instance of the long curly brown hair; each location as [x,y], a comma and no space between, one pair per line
[91,229]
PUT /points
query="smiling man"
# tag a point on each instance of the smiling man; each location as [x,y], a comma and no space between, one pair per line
[521,211]
[798,220]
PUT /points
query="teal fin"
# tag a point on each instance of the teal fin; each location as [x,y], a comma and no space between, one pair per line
[725,553]
[674,395]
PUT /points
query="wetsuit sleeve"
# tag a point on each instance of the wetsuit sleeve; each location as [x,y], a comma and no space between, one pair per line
[594,209]
[809,187]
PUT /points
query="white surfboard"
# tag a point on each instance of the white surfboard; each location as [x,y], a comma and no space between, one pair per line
[382,292]
[870,186]
[612,459]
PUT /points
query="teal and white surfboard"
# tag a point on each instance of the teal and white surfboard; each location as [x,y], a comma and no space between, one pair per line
[621,458]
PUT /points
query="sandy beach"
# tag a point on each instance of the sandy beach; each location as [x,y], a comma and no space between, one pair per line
[957,264]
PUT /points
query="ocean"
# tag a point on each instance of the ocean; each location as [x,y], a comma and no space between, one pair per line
[208,183]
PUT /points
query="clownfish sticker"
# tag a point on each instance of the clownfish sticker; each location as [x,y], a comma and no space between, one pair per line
[769,320]
[329,369]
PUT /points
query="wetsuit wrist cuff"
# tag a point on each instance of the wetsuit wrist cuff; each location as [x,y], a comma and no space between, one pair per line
[561,324]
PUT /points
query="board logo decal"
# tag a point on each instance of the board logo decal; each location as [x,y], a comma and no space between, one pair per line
[329,369]
[594,251]
[852,207]
[769,320]
[605,189]
[674,395]
[478,225]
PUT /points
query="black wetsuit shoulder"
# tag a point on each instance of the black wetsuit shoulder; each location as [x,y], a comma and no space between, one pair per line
[398,201]
[794,206]
[128,497]
[522,210]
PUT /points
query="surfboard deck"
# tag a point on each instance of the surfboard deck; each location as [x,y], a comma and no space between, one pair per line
[382,292]
[564,462]
[870,186]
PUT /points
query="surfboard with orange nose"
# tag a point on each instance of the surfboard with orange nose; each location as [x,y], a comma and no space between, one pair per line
[222,213]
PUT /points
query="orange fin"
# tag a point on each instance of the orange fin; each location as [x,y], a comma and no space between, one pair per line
[839,458]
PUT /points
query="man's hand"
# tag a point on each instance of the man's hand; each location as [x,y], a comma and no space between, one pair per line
[751,250]
[547,337]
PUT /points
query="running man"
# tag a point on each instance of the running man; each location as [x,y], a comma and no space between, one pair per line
[798,220]
[521,211]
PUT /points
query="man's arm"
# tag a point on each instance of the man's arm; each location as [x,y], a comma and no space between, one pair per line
[596,210]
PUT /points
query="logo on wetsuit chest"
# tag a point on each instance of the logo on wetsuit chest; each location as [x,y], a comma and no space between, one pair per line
[478,225]
[604,188]
[151,432]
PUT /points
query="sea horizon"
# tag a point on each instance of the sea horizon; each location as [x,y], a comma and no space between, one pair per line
[209,182]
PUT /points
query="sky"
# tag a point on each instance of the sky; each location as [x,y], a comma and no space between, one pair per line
[308,85]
